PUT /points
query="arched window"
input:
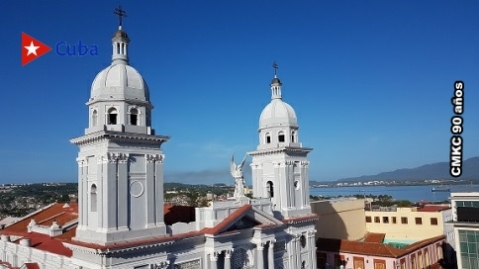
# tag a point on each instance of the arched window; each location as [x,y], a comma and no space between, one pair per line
[293,134]
[93,199]
[117,48]
[112,116]
[270,189]
[94,118]
[134,116]
[268,138]
[281,137]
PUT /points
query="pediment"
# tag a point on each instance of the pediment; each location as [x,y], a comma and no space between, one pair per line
[245,217]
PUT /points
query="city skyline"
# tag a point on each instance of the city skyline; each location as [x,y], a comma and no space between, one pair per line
[371,83]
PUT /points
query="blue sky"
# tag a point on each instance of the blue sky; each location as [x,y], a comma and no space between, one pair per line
[371,81]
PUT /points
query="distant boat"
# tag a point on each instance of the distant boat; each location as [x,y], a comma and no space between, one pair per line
[441,189]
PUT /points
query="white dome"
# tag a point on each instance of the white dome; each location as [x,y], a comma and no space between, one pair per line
[119,81]
[278,113]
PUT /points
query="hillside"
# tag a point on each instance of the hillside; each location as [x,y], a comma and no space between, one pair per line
[470,170]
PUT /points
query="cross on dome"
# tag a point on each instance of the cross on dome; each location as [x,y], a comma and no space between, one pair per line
[275,67]
[121,14]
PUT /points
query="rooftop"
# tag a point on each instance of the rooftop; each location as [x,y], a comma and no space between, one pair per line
[372,247]
[433,208]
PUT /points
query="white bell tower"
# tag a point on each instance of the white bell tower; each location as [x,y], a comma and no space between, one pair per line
[120,162]
[280,164]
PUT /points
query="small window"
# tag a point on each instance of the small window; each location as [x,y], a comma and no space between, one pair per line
[134,116]
[268,139]
[385,219]
[112,116]
[368,219]
[94,118]
[93,199]
[394,220]
[418,221]
[376,220]
[270,189]
[281,137]
[433,221]
[404,220]
[292,136]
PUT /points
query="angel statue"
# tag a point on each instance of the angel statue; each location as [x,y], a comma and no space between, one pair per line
[237,173]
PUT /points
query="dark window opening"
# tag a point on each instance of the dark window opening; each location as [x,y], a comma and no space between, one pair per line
[368,219]
[281,137]
[292,137]
[433,221]
[94,118]
[93,199]
[112,116]
[385,219]
[112,119]
[376,220]
[394,220]
[404,220]
[268,139]
[134,117]
[270,189]
[419,221]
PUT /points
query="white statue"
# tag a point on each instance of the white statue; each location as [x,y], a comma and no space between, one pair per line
[237,174]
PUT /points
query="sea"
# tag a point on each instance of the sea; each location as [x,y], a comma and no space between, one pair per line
[411,193]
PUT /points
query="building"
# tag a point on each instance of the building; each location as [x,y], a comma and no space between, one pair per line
[343,217]
[465,206]
[372,253]
[410,224]
[120,219]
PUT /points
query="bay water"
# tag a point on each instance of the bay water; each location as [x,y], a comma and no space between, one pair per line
[411,193]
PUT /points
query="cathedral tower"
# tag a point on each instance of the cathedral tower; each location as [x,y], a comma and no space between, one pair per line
[120,162]
[280,165]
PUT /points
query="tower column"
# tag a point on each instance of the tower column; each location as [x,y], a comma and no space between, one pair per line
[102,168]
[290,173]
[214,260]
[228,259]
[150,190]
[109,192]
[312,247]
[260,254]
[82,191]
[122,184]
[271,255]
[158,187]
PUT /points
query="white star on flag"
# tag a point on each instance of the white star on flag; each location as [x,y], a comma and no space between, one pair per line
[32,49]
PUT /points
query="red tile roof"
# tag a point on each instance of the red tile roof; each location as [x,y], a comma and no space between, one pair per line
[374,237]
[174,214]
[228,220]
[65,215]
[32,265]
[46,217]
[432,208]
[371,248]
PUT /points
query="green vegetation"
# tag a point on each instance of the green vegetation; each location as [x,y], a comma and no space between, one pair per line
[20,200]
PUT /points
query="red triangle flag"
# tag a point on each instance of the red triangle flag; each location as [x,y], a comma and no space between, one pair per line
[32,49]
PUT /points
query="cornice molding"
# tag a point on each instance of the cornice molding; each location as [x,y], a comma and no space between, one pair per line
[119,137]
[279,150]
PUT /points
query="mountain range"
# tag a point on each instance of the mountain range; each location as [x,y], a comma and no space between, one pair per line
[440,170]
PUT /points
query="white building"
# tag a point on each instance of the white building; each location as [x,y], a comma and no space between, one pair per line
[119,221]
[465,206]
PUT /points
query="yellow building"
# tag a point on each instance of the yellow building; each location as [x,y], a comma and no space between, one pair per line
[409,224]
[340,218]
